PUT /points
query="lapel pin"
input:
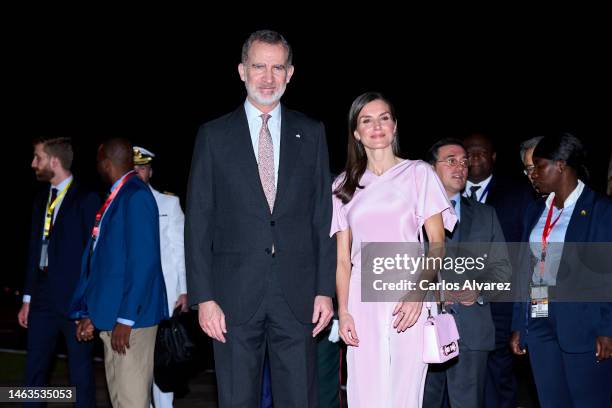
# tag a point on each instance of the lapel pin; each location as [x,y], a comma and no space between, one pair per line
[298,135]
[583,212]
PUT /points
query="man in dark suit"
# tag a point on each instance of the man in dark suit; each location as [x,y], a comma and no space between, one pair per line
[121,291]
[510,200]
[464,377]
[260,264]
[62,217]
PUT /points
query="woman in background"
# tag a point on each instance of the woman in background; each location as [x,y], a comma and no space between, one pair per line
[570,342]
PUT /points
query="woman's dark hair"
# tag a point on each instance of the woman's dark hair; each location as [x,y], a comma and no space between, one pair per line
[566,147]
[356,159]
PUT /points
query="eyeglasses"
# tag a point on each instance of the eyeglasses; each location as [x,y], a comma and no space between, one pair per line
[452,162]
[529,170]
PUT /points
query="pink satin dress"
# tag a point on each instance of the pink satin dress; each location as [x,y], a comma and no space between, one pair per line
[386,370]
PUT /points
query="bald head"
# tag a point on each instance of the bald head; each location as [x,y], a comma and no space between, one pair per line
[115,158]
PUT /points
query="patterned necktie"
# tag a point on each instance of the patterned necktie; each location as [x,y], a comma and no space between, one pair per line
[265,162]
[473,191]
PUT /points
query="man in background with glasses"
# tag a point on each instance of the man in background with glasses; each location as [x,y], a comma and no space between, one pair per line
[464,377]
[527,148]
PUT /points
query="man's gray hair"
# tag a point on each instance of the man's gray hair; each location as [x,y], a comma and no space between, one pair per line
[529,144]
[268,37]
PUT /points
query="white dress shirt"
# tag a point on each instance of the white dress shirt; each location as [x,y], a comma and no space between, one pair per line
[482,193]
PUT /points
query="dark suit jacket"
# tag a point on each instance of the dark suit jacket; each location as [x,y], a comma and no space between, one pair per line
[510,198]
[67,242]
[123,277]
[229,230]
[577,323]
[480,227]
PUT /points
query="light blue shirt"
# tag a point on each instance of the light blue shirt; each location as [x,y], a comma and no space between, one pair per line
[274,125]
[556,238]
[457,198]
[59,188]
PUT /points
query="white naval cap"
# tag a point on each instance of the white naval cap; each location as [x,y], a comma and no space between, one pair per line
[142,155]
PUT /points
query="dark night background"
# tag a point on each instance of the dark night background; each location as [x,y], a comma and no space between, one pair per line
[154,79]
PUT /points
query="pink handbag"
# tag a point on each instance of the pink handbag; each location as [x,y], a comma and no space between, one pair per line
[440,338]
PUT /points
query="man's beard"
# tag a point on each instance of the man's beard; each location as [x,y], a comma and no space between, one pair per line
[44,175]
[264,100]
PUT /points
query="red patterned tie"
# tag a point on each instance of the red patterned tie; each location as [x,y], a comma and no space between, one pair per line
[265,156]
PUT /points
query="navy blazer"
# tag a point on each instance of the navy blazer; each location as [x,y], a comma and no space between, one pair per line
[577,323]
[67,242]
[123,276]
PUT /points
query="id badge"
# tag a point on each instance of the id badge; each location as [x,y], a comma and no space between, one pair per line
[539,301]
[44,261]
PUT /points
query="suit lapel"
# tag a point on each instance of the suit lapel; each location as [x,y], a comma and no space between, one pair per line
[491,191]
[66,203]
[240,136]
[578,227]
[467,217]
[533,217]
[289,152]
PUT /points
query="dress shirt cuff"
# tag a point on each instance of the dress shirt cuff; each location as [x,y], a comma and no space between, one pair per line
[125,321]
[27,298]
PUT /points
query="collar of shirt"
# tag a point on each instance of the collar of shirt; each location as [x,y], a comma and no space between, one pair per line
[254,118]
[116,183]
[457,198]
[59,188]
[571,199]
[61,185]
[274,125]
[483,185]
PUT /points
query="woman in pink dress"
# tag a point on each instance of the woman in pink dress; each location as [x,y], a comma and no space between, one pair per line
[382,198]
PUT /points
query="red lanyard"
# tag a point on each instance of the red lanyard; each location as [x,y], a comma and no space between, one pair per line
[96,229]
[548,227]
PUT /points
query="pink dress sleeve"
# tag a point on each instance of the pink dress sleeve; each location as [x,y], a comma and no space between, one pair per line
[339,221]
[431,197]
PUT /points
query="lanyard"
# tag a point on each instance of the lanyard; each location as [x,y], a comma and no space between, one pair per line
[548,227]
[96,229]
[51,209]
[484,192]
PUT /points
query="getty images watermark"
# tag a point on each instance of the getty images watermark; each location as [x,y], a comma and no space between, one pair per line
[501,272]
[417,265]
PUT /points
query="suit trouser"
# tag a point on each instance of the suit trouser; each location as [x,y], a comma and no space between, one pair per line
[328,371]
[463,377]
[129,376]
[266,385]
[44,326]
[500,383]
[572,380]
[291,352]
[328,374]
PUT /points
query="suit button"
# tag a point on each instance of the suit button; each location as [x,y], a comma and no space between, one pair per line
[268,251]
[272,223]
